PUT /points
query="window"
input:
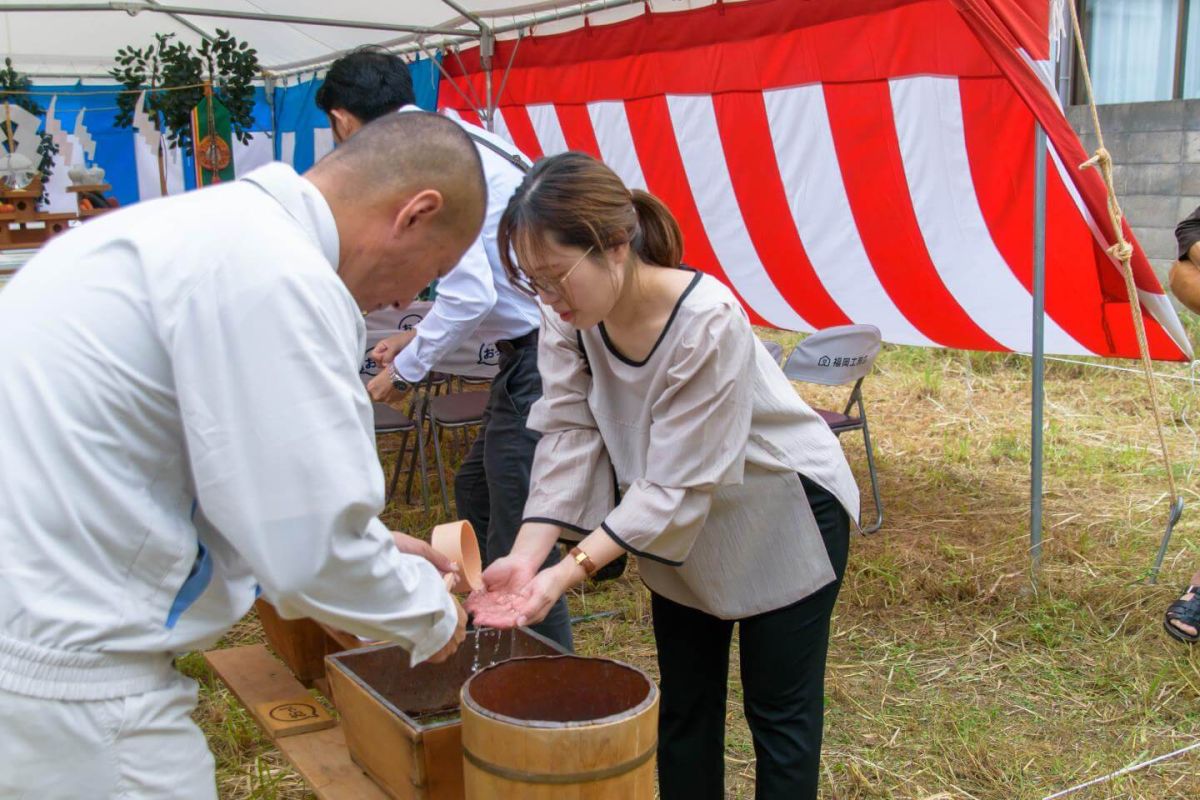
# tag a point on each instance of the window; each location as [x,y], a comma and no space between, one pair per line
[1191,66]
[1142,50]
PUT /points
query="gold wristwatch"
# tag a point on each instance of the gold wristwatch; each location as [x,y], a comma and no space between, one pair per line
[584,560]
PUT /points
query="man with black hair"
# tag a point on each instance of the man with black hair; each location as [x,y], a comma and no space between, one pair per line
[363,86]
[474,299]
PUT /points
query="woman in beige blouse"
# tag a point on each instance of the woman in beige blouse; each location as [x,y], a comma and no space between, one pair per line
[668,431]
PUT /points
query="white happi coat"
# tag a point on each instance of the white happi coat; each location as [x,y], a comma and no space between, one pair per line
[182,424]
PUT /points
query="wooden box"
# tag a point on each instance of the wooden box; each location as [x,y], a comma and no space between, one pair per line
[402,723]
[302,644]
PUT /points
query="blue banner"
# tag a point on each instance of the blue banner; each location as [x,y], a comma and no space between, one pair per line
[293,111]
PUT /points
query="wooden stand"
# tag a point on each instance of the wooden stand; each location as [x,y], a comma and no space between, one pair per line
[81,189]
[261,683]
[25,226]
[413,755]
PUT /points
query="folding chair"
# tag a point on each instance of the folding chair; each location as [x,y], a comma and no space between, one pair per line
[834,357]
[775,349]
[389,421]
[456,410]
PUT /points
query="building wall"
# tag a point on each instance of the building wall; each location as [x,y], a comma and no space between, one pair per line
[1156,166]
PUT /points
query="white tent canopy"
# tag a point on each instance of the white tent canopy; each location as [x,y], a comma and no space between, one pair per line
[48,39]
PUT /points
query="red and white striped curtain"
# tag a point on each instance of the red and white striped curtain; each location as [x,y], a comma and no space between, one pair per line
[846,161]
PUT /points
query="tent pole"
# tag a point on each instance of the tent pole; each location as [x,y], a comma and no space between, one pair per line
[1039,354]
[1066,57]
[408,44]
[185,22]
[133,7]
[269,94]
[508,69]
[487,48]
[472,18]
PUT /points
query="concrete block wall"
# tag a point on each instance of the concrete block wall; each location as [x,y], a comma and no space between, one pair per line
[1156,157]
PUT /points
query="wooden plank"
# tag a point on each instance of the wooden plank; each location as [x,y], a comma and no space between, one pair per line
[264,685]
[299,714]
[323,760]
[321,757]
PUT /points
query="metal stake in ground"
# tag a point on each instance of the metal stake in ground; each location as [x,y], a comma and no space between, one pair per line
[1120,772]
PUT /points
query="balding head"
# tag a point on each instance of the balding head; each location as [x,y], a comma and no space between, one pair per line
[409,196]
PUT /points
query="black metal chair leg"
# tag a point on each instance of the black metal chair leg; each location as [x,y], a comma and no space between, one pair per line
[424,465]
[400,454]
[866,430]
[441,472]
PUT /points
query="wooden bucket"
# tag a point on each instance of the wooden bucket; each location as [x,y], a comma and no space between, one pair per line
[559,726]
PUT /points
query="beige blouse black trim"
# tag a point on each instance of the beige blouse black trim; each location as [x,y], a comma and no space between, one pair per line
[705,438]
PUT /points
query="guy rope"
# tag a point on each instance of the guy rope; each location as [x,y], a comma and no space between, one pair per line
[1122,252]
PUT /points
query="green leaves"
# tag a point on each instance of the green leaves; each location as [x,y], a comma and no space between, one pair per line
[172,74]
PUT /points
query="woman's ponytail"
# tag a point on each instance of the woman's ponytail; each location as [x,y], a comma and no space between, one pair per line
[659,240]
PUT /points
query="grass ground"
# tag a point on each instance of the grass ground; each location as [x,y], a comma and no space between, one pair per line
[951,675]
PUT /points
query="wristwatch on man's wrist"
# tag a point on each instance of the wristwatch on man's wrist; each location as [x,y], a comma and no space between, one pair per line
[398,383]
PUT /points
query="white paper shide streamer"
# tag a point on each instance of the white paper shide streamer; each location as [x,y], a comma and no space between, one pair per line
[145,126]
[54,130]
[87,144]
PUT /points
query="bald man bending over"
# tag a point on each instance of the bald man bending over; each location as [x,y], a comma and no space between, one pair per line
[152,481]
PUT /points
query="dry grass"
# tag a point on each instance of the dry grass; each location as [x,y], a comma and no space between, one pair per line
[949,675]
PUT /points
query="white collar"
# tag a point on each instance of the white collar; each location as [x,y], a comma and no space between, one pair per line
[303,201]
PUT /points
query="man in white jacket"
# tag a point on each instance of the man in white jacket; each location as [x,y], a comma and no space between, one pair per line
[157,468]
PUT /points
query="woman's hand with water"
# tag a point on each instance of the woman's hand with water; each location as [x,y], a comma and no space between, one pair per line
[541,593]
[510,574]
[505,581]
[495,605]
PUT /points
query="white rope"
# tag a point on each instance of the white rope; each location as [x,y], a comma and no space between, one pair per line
[1192,379]
[1186,379]
[1120,772]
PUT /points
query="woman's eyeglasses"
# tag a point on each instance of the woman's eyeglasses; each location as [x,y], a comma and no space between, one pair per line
[551,287]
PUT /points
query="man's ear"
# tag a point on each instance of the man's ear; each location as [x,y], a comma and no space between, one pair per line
[420,209]
[343,123]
